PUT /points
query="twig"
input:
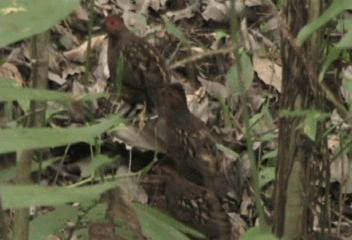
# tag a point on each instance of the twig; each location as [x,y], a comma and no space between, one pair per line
[202,55]
[89,47]
[311,70]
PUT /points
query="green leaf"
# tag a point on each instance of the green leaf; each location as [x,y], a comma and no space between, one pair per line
[6,82]
[227,150]
[24,196]
[240,76]
[335,8]
[347,84]
[256,119]
[97,213]
[257,233]
[174,30]
[332,55]
[13,93]
[20,139]
[51,223]
[269,155]
[219,35]
[346,40]
[7,174]
[160,226]
[268,136]
[10,172]
[267,174]
[23,18]
[312,117]
[98,162]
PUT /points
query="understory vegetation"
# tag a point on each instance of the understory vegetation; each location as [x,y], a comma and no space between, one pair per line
[268,88]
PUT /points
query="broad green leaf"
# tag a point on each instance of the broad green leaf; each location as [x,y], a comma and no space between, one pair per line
[20,139]
[257,233]
[24,196]
[7,174]
[335,9]
[23,18]
[347,84]
[10,172]
[6,82]
[9,93]
[269,136]
[255,119]
[240,76]
[227,150]
[332,55]
[161,226]
[174,30]
[51,223]
[219,35]
[98,162]
[312,117]
[267,174]
[346,40]
[269,155]
[97,213]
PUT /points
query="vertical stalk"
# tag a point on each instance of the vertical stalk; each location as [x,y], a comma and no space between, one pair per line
[3,230]
[36,118]
[89,45]
[238,42]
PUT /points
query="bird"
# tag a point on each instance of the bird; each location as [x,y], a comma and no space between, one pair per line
[200,192]
[143,69]
[188,140]
[121,213]
[195,205]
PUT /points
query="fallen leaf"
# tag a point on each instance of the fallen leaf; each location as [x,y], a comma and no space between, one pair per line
[268,71]
[79,54]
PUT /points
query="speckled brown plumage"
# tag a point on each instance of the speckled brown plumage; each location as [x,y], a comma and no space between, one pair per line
[193,191]
[197,190]
[144,70]
[188,140]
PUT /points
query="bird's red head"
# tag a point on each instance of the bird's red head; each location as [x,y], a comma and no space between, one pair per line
[113,23]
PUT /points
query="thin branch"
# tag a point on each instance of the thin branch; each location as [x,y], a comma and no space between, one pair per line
[201,55]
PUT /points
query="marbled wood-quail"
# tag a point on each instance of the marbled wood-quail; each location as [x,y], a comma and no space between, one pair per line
[196,206]
[121,212]
[144,70]
[188,141]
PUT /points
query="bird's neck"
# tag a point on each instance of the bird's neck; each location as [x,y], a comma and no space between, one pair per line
[121,34]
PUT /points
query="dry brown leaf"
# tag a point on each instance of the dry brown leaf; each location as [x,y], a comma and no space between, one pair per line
[10,71]
[187,12]
[341,170]
[145,140]
[215,89]
[52,237]
[82,14]
[131,186]
[126,5]
[268,71]
[217,11]
[344,88]
[254,3]
[79,54]
[56,78]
